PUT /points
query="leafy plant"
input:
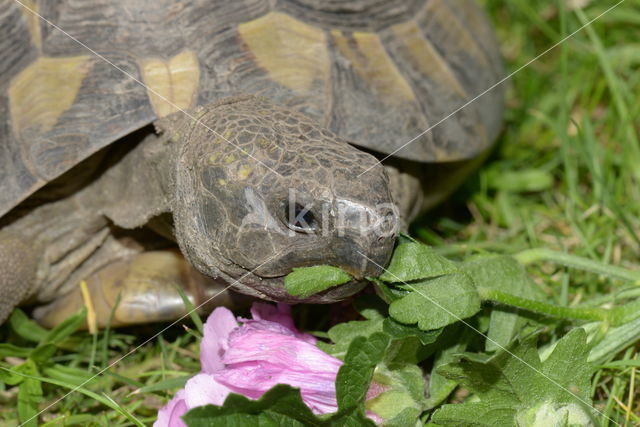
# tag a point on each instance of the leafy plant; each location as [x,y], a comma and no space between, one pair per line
[546,230]
[516,386]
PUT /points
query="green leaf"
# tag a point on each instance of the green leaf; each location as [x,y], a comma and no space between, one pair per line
[411,378]
[193,312]
[371,307]
[615,340]
[558,414]
[520,181]
[168,384]
[407,351]
[506,274]
[394,404]
[26,328]
[102,399]
[436,303]
[480,414]
[518,382]
[406,417]
[352,417]
[503,378]
[307,281]
[29,395]
[11,350]
[401,399]
[66,328]
[399,331]
[343,334]
[580,263]
[503,327]
[47,346]
[43,353]
[282,405]
[405,238]
[451,343]
[355,375]
[568,366]
[70,420]
[70,375]
[386,292]
[9,376]
[408,341]
[415,261]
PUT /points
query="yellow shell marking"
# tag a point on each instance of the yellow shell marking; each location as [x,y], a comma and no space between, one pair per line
[172,85]
[44,90]
[456,32]
[425,56]
[33,21]
[214,158]
[372,64]
[243,172]
[292,52]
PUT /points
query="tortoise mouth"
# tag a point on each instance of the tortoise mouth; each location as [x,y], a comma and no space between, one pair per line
[357,272]
[359,261]
[273,289]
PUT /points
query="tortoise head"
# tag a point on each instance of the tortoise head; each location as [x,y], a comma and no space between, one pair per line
[261,190]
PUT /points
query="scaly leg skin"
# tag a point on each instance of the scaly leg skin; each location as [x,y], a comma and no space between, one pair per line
[146,286]
[17,270]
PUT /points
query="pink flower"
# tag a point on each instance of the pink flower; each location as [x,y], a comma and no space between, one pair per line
[250,358]
[170,414]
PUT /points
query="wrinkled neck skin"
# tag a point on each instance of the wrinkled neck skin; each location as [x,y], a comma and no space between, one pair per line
[141,186]
[140,190]
[230,179]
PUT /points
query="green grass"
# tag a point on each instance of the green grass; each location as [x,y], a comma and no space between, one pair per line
[565,176]
[572,115]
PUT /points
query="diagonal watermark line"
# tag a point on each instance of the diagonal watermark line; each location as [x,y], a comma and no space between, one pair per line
[249,155]
[524,362]
[102,371]
[495,85]
[135,79]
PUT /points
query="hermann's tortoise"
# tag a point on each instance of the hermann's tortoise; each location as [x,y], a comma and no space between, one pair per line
[248,132]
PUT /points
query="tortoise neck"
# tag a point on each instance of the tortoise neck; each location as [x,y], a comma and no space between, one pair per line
[140,186]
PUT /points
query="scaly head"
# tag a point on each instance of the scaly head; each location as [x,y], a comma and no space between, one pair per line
[261,189]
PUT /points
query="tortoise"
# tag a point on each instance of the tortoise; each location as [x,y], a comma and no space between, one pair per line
[213,143]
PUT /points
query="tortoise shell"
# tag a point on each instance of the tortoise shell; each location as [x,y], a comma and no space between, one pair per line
[77,76]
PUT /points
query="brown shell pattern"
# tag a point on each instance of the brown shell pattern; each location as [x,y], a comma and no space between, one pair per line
[376,72]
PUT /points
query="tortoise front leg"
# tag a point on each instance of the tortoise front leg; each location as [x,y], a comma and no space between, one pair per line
[143,288]
[18,264]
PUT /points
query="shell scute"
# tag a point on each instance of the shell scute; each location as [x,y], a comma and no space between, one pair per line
[346,71]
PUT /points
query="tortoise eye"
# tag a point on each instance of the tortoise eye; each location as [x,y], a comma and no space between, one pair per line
[300,218]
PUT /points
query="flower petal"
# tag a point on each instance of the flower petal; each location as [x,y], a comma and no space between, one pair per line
[251,358]
[376,389]
[169,415]
[254,379]
[374,417]
[215,340]
[203,389]
[265,325]
[280,314]
[246,345]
